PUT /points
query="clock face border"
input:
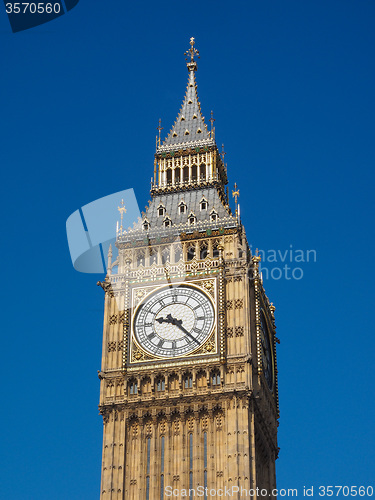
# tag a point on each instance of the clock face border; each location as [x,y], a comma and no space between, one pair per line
[263,320]
[141,294]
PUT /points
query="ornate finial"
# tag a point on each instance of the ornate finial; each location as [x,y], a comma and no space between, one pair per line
[223,153]
[191,53]
[212,119]
[122,211]
[159,128]
[236,194]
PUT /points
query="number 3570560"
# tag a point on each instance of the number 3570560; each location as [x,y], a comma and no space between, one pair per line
[32,8]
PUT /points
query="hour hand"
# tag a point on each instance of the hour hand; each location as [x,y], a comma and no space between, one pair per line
[168,319]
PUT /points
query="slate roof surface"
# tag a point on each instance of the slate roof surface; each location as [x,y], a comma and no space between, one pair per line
[189,126]
[192,200]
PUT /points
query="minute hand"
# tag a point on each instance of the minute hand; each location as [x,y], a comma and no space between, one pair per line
[179,325]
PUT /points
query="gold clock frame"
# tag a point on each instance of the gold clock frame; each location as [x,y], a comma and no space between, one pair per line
[139,294]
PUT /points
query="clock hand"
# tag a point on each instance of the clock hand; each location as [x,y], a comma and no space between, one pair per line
[178,323]
[168,319]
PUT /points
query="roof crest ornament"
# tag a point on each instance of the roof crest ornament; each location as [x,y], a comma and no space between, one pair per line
[192,52]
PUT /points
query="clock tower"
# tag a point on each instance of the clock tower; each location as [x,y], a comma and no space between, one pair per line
[188,384]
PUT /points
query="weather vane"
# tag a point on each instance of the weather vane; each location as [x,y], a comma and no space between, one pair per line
[192,52]
[122,211]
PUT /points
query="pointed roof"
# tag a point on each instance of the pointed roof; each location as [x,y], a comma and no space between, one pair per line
[189,129]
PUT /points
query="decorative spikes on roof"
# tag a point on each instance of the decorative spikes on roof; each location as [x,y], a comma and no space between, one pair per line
[189,126]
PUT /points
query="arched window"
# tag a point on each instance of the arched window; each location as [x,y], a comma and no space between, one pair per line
[215,250]
[178,253]
[191,252]
[132,387]
[188,381]
[169,176]
[194,173]
[215,377]
[160,384]
[186,174]
[146,225]
[140,258]
[161,210]
[177,175]
[203,251]
[202,172]
[165,255]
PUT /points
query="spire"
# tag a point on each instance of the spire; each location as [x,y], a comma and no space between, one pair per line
[189,128]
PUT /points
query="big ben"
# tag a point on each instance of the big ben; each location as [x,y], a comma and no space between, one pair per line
[188,382]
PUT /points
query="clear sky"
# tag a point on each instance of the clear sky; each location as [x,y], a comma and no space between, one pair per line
[291,84]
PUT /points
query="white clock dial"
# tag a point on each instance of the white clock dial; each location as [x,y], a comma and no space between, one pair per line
[174,321]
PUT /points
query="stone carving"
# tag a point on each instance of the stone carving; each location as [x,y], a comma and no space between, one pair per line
[238,303]
[111,346]
[229,331]
[239,331]
[113,319]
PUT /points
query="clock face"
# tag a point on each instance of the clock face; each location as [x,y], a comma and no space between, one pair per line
[266,351]
[174,321]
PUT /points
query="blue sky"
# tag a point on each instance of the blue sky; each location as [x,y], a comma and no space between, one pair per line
[291,85]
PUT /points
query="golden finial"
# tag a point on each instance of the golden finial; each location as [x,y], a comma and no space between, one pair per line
[192,52]
[236,194]
[159,128]
[122,211]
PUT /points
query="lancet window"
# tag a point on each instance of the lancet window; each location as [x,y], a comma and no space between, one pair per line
[191,252]
[188,380]
[203,250]
[215,377]
[160,384]
[202,172]
[132,387]
[177,253]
